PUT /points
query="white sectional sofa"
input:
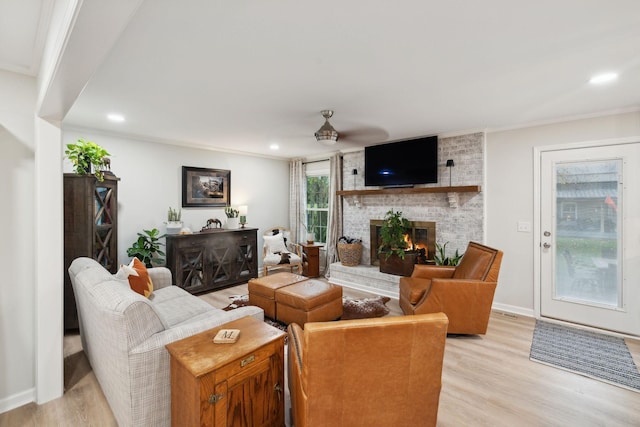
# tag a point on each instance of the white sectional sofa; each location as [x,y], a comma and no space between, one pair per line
[124,336]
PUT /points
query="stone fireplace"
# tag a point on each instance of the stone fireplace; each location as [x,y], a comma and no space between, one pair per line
[457,224]
[420,235]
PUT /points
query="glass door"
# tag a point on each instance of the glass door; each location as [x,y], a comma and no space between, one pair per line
[590,248]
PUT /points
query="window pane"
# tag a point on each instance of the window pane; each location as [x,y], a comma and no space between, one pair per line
[588,237]
[318,192]
[318,206]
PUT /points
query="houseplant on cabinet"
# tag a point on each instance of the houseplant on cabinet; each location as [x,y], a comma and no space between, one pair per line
[88,158]
[232,218]
[394,255]
[174,221]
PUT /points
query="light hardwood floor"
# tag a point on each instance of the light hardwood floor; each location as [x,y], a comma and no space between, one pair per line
[487,381]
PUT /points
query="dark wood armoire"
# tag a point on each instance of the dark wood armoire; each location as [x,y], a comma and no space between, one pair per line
[90,229]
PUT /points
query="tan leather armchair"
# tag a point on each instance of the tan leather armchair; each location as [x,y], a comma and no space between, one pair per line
[464,293]
[367,372]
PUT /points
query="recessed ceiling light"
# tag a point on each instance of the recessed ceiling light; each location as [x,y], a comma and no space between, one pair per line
[603,78]
[114,117]
[274,147]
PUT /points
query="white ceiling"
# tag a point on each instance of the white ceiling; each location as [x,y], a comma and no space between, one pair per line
[23,28]
[241,75]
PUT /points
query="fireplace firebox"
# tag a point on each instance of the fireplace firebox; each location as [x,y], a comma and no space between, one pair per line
[420,235]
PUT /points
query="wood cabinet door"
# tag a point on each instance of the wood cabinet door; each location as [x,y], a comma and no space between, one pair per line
[191,274]
[254,398]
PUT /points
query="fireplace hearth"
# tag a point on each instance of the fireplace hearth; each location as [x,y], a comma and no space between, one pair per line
[420,235]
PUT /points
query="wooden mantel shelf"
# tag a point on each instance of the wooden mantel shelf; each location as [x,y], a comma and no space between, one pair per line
[422,190]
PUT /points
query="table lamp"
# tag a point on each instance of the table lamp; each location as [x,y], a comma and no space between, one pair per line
[243,214]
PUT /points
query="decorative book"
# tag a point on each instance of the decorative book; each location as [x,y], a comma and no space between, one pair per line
[226,336]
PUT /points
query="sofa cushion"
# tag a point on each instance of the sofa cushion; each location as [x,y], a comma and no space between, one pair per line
[141,283]
[174,305]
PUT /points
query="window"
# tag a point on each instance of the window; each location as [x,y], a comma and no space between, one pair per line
[318,206]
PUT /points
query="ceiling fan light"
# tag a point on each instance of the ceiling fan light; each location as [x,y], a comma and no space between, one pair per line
[327,134]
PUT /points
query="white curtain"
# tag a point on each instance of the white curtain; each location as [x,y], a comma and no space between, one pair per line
[297,200]
[334,227]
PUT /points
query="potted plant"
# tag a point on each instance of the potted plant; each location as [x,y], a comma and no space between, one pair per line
[232,217]
[441,258]
[394,254]
[88,158]
[349,250]
[311,237]
[174,222]
[147,248]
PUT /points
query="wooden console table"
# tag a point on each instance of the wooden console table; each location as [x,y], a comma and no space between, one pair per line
[311,268]
[239,384]
[205,261]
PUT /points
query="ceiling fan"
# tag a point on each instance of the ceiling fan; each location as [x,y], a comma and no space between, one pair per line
[326,134]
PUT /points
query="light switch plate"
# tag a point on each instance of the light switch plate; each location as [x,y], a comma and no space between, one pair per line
[524,226]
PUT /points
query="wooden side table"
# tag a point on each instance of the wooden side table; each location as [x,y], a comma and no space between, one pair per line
[239,384]
[312,267]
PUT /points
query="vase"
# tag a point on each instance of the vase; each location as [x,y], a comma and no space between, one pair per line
[232,223]
[396,265]
[310,238]
[174,227]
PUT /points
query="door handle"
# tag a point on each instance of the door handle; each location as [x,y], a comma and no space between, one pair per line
[546,245]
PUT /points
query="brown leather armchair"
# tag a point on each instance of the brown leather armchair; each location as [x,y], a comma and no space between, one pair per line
[383,371]
[464,293]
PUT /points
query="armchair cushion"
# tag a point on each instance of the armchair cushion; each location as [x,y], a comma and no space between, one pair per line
[275,244]
[276,259]
[475,263]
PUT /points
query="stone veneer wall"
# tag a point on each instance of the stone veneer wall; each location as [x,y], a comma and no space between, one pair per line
[454,225]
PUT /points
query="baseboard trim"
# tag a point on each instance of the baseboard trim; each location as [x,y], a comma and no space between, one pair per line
[512,309]
[17,400]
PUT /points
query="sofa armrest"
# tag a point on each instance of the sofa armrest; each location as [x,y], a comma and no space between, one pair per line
[425,271]
[160,276]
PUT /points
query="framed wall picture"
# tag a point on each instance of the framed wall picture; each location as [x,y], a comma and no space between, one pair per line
[205,187]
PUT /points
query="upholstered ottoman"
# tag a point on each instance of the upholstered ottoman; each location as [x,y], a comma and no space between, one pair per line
[308,301]
[262,290]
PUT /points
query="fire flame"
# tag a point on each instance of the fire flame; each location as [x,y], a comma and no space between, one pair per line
[410,244]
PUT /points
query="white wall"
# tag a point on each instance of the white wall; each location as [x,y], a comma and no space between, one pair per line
[510,198]
[151,181]
[17,281]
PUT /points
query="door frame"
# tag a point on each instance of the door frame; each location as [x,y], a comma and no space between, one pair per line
[537,217]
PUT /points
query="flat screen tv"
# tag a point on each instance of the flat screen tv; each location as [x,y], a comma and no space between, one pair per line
[402,163]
